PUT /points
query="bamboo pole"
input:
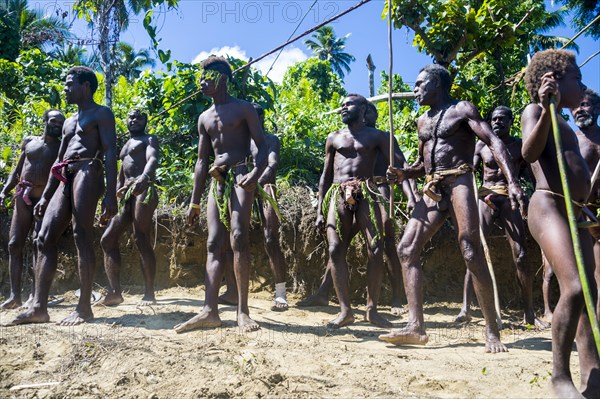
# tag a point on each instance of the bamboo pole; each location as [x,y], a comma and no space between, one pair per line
[589,303]
[390,103]
[488,261]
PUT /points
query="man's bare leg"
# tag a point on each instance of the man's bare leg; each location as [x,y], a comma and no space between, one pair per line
[19,228]
[569,318]
[321,297]
[270,224]
[217,242]
[241,206]
[230,296]
[515,234]
[548,274]
[56,219]
[338,249]
[393,263]
[142,229]
[464,316]
[87,189]
[466,220]
[112,255]
[425,220]
[375,267]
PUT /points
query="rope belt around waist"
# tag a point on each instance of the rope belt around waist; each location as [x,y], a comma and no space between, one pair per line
[433,179]
[58,167]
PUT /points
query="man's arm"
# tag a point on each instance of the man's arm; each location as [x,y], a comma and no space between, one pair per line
[274,147]
[326,178]
[536,121]
[149,173]
[417,169]
[108,141]
[13,177]
[498,150]
[249,181]
[200,173]
[407,185]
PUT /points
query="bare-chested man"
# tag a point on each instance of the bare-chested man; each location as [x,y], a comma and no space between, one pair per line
[270,223]
[588,137]
[321,297]
[495,206]
[88,138]
[227,127]
[447,134]
[29,176]
[555,73]
[345,197]
[139,198]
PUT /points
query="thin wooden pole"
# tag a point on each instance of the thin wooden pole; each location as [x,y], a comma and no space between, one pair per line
[390,103]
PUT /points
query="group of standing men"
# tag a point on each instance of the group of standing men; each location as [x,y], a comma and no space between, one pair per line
[349,197]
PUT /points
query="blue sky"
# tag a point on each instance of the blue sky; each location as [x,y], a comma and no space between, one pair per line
[251,28]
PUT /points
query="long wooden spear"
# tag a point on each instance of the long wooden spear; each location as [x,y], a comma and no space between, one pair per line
[390,103]
[587,295]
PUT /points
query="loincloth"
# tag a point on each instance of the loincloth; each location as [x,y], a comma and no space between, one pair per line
[58,168]
[225,176]
[352,192]
[435,178]
[488,194]
[129,187]
[23,190]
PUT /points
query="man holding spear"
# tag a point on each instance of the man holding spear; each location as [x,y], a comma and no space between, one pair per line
[447,134]
[562,176]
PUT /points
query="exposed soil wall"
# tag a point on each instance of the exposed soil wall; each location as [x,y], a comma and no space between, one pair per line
[181,256]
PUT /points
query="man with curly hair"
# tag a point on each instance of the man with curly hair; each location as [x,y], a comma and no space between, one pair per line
[29,177]
[554,73]
[447,132]
[321,297]
[138,200]
[588,136]
[88,150]
[494,206]
[226,128]
[346,197]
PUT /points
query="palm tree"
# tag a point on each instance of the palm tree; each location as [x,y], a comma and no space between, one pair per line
[327,46]
[76,55]
[32,27]
[538,41]
[129,63]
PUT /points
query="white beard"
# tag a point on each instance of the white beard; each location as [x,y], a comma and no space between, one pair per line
[584,122]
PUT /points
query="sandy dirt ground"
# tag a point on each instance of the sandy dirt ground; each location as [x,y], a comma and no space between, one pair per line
[132,352]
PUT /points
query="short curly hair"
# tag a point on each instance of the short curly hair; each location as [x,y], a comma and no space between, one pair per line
[593,96]
[46,114]
[556,61]
[84,74]
[219,64]
[441,73]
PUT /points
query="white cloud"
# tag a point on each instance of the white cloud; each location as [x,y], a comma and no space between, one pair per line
[288,57]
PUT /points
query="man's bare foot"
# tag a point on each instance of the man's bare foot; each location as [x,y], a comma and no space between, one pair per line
[564,388]
[112,299]
[341,321]
[147,300]
[547,317]
[29,303]
[314,300]
[246,324]
[373,317]
[228,298]
[493,344]
[31,315]
[77,317]
[11,303]
[539,324]
[280,304]
[409,335]
[204,319]
[463,317]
